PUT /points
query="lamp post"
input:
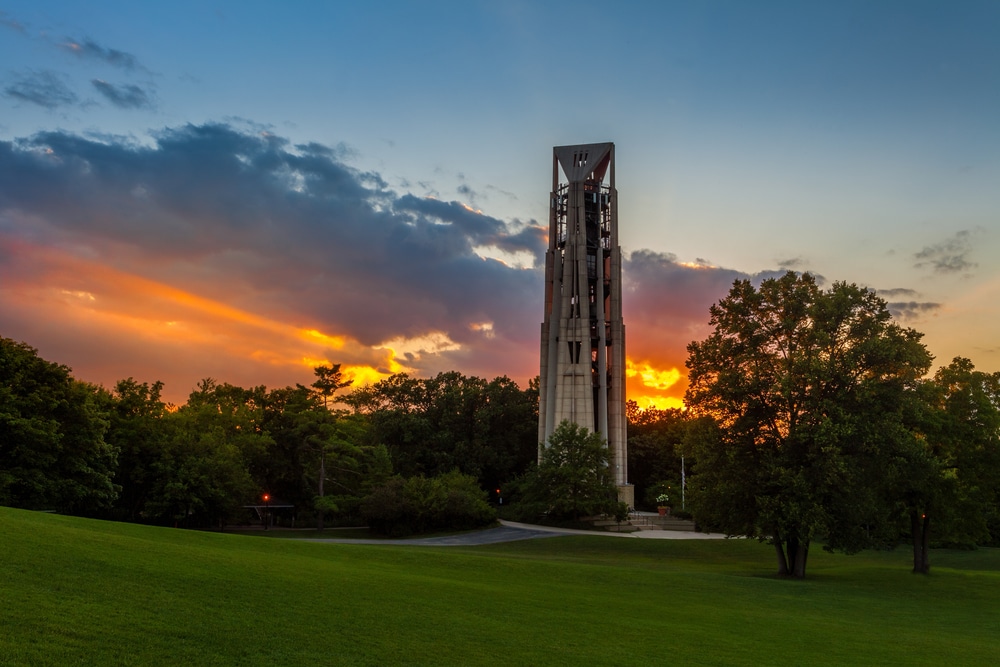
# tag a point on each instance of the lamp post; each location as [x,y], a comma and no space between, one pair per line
[267,501]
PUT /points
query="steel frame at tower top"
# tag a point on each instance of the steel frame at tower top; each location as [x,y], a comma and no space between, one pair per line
[582,369]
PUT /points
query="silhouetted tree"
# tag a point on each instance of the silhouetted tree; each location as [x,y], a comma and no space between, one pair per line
[954,472]
[329,380]
[802,395]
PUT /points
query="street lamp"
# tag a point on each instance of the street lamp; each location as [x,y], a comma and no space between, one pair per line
[267,500]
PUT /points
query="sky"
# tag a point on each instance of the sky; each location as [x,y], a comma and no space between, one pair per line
[246,190]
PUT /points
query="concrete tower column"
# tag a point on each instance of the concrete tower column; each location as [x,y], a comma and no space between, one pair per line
[582,365]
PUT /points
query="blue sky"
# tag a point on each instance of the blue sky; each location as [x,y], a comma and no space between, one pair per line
[856,140]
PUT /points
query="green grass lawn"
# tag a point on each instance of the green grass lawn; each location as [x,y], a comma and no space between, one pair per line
[88,592]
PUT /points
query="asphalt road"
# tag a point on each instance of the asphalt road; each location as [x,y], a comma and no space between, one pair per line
[510,531]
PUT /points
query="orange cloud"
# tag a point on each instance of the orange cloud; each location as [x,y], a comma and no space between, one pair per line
[114,305]
[652,385]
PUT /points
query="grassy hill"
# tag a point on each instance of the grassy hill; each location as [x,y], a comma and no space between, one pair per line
[87,592]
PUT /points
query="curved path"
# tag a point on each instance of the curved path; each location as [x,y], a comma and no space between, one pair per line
[510,531]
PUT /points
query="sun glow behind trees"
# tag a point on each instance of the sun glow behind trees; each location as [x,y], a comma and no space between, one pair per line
[650,386]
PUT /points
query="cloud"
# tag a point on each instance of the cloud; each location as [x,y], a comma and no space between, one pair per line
[43,88]
[791,263]
[88,49]
[478,229]
[911,310]
[126,96]
[210,250]
[288,233]
[466,192]
[666,304]
[948,256]
[896,292]
[506,193]
[11,23]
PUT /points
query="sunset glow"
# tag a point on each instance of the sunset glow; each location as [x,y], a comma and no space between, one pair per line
[434,342]
[650,377]
[650,386]
[658,402]
[167,214]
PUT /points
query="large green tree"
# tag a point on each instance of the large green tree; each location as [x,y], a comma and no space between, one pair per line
[331,442]
[328,433]
[801,396]
[53,454]
[954,471]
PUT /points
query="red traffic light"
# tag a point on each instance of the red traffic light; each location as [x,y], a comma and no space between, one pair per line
[266,497]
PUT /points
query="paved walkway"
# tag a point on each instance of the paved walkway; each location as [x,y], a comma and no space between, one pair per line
[510,531]
[639,534]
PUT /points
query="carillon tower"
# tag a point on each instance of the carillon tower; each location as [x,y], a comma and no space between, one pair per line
[582,374]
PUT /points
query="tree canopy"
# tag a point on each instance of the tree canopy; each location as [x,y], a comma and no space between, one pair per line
[487,429]
[801,395]
[954,471]
[53,454]
[125,454]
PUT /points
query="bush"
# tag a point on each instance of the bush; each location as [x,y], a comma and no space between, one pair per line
[573,479]
[416,505]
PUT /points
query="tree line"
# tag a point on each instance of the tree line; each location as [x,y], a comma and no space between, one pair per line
[375,455]
[811,419]
[126,454]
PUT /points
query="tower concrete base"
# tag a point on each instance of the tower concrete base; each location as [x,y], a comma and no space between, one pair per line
[626,494]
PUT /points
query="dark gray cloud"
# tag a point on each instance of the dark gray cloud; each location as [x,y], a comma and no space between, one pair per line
[44,88]
[88,49]
[478,229]
[125,96]
[948,256]
[292,232]
[254,222]
[911,310]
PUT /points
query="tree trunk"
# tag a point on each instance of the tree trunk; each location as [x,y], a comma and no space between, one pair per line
[322,478]
[925,546]
[792,555]
[801,554]
[920,527]
[779,547]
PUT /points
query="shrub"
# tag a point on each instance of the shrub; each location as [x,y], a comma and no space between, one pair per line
[573,479]
[416,505]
